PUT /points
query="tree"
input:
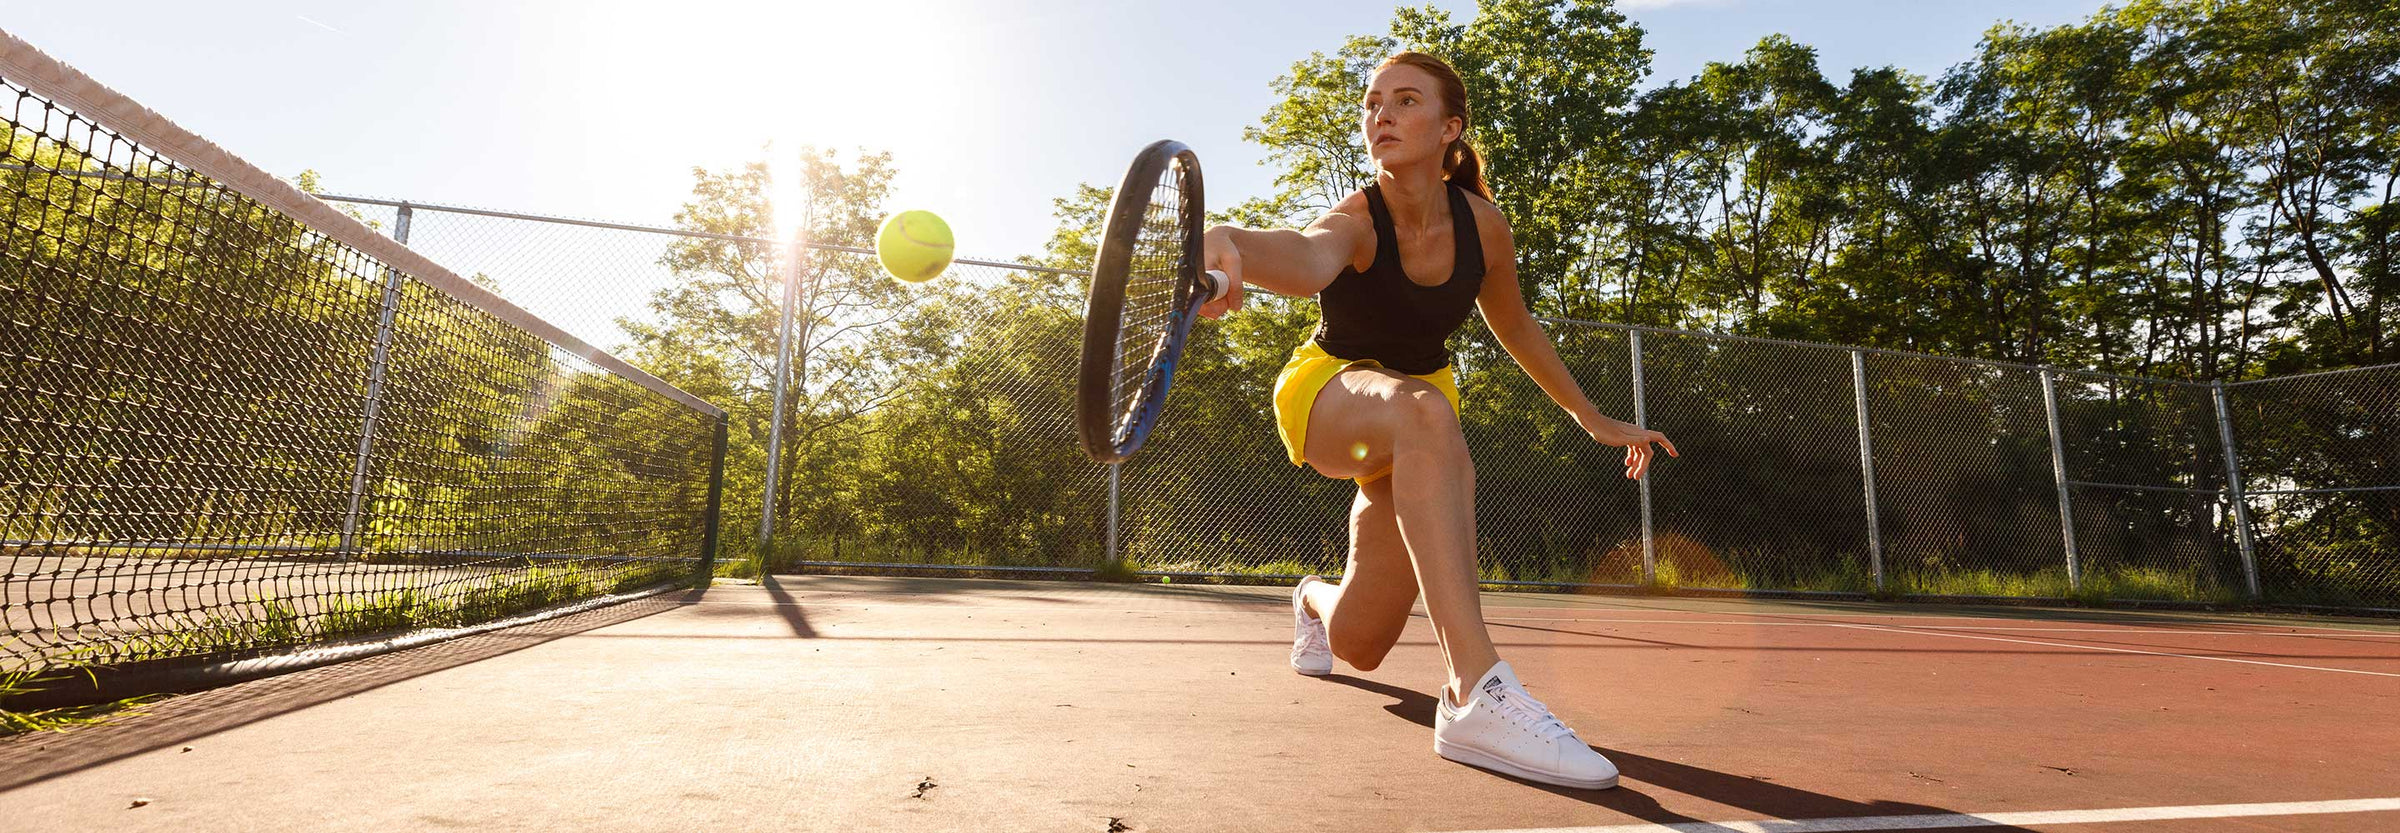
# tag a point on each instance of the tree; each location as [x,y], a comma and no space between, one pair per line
[1547,80]
[716,333]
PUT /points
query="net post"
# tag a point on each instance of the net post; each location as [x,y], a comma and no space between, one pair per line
[377,364]
[716,506]
[2058,475]
[1641,419]
[2233,488]
[1866,466]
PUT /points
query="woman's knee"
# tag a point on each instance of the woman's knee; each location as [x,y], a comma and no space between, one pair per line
[1375,415]
[1427,421]
[1362,647]
[1426,407]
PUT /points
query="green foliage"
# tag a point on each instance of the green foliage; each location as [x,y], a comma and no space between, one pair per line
[21,681]
[358,615]
[2174,187]
[715,333]
[533,589]
[261,622]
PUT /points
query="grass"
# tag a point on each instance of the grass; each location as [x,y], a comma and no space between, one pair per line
[357,615]
[745,567]
[2098,587]
[24,681]
[539,588]
[1116,572]
[2041,584]
[2153,583]
[1265,572]
[275,623]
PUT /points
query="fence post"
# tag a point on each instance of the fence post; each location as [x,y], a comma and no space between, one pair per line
[376,366]
[2058,474]
[788,263]
[716,503]
[1641,419]
[2233,489]
[1866,466]
[1112,513]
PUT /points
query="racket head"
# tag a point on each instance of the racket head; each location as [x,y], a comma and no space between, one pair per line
[1146,288]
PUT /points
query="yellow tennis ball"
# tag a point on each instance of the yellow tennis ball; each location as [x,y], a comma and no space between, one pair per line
[914,245]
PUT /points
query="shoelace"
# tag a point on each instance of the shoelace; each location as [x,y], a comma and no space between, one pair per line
[1312,639]
[1535,714]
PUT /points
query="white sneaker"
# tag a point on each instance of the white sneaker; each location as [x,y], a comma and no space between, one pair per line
[1312,654]
[1501,728]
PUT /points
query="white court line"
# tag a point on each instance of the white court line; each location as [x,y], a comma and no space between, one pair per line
[2125,650]
[2018,818]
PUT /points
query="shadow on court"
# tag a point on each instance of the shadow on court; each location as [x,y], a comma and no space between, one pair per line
[788,608]
[1767,799]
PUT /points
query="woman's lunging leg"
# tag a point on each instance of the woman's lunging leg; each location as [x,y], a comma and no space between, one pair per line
[1365,614]
[1433,494]
[1373,420]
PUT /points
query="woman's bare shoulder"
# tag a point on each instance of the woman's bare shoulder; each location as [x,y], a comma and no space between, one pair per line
[1491,226]
[1352,221]
[1353,207]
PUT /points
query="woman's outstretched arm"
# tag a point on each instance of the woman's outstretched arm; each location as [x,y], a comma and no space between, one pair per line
[1502,302]
[1295,262]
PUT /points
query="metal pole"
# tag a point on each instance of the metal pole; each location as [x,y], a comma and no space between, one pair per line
[1112,512]
[2058,474]
[788,263]
[1866,466]
[1641,419]
[376,367]
[716,504]
[2233,489]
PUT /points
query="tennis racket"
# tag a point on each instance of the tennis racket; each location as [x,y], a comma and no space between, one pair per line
[1147,288]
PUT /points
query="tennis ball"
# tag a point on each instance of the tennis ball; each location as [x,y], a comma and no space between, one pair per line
[1358,451]
[914,246]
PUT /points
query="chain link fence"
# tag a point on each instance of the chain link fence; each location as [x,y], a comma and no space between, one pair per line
[2319,462]
[1806,468]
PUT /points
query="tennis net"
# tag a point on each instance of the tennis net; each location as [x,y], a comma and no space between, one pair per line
[235,421]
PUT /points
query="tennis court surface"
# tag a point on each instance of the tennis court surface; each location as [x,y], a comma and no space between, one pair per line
[929,704]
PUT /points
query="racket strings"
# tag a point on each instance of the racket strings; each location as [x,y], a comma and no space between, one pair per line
[1150,289]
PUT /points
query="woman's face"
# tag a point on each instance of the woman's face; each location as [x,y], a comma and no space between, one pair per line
[1403,120]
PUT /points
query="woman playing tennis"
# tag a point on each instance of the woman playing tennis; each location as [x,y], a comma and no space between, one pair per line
[1396,268]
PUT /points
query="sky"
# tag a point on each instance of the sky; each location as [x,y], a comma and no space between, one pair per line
[991,109]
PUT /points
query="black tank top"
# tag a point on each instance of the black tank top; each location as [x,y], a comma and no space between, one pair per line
[1382,315]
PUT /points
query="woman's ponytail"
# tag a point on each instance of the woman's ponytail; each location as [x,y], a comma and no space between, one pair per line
[1464,168]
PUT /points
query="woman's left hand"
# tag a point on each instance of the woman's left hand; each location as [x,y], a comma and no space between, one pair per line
[1633,438]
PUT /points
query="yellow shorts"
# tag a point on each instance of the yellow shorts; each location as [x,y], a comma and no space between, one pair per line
[1296,392]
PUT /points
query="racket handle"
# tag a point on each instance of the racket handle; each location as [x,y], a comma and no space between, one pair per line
[1218,283]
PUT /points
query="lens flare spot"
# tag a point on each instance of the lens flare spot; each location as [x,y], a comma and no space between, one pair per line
[1358,451]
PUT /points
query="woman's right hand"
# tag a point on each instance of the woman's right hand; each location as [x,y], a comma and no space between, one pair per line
[1218,253]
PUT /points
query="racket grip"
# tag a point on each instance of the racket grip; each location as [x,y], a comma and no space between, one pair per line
[1218,283]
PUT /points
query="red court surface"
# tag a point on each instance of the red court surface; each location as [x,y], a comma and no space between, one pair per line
[852,703]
